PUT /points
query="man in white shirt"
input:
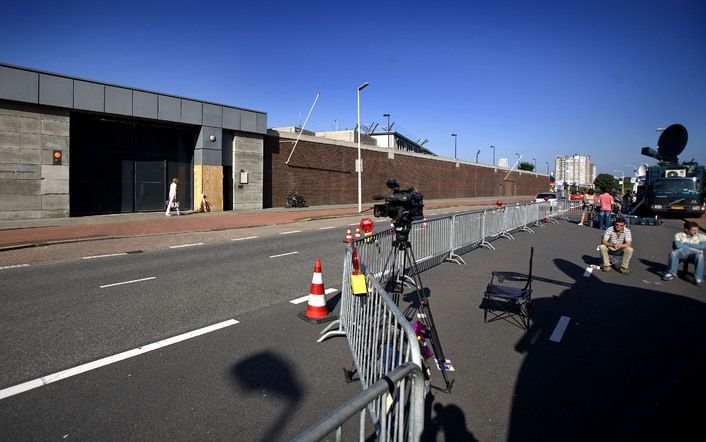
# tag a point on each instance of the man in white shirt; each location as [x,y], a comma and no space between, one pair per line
[617,240]
[688,244]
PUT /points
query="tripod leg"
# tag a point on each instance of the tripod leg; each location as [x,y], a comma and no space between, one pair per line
[428,319]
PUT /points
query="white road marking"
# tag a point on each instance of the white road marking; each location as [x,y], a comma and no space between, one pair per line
[128,282]
[241,239]
[326,228]
[284,254]
[287,233]
[588,272]
[186,245]
[16,266]
[48,379]
[104,256]
[560,328]
[306,298]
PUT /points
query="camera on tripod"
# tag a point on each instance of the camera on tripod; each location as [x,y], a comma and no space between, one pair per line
[402,206]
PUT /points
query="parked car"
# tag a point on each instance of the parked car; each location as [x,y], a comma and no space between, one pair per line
[547,196]
[576,196]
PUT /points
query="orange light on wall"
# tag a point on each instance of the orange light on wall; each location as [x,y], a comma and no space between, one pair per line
[56,157]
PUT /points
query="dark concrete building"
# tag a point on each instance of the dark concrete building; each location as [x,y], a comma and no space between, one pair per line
[71,146]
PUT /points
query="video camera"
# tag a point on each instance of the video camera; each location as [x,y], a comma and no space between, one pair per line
[402,206]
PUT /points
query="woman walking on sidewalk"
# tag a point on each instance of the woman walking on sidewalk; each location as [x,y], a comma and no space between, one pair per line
[172,197]
[589,201]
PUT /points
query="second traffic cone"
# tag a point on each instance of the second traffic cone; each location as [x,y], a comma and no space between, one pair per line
[357,233]
[316,309]
[348,237]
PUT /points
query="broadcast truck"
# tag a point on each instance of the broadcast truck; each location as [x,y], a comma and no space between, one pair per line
[670,186]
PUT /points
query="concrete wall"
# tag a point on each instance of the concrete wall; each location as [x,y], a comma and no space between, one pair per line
[323,172]
[30,185]
[248,156]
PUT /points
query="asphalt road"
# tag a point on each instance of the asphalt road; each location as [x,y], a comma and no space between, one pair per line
[630,360]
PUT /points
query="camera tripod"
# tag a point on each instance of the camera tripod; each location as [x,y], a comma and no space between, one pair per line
[400,269]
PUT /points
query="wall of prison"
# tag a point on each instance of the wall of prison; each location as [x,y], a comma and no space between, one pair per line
[323,172]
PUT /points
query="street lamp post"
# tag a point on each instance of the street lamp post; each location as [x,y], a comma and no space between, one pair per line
[535,164]
[455,138]
[389,144]
[622,180]
[359,165]
[547,163]
[477,153]
[493,147]
[634,172]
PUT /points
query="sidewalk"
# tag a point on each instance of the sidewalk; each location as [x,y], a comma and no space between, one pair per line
[17,234]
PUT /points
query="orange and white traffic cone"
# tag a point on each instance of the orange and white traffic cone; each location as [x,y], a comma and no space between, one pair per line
[348,237]
[316,309]
[357,233]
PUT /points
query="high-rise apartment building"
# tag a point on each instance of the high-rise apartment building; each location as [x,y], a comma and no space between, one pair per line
[575,169]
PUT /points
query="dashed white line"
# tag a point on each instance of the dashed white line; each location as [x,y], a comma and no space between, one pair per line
[290,232]
[588,272]
[284,254]
[16,266]
[327,228]
[306,298]
[247,237]
[48,379]
[128,282]
[104,256]
[560,328]
[186,245]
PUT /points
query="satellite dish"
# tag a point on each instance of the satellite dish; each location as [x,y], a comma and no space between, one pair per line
[672,142]
[642,170]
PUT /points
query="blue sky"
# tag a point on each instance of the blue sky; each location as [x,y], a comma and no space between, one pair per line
[540,78]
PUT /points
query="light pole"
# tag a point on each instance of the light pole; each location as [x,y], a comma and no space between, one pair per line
[547,163]
[535,164]
[389,144]
[477,153]
[455,138]
[622,180]
[359,164]
[493,147]
[634,173]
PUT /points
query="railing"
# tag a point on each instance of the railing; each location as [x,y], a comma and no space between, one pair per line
[381,341]
[380,338]
[401,422]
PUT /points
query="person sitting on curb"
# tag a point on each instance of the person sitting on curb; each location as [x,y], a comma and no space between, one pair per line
[688,244]
[617,240]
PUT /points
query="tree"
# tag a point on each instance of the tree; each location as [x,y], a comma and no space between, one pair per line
[605,181]
[525,166]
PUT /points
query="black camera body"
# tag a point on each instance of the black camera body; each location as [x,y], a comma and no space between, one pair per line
[402,206]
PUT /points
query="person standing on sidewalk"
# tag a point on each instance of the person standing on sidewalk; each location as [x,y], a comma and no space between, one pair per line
[172,197]
[617,240]
[689,244]
[589,199]
[605,203]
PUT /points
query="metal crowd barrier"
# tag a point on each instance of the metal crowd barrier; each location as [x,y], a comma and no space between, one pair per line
[380,338]
[404,421]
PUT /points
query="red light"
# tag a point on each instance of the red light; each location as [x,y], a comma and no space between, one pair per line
[356,262]
[367,225]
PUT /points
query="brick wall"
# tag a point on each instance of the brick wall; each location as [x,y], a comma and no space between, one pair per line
[323,173]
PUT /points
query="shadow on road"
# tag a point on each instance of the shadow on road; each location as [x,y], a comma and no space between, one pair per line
[656,268]
[631,365]
[269,375]
[449,421]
